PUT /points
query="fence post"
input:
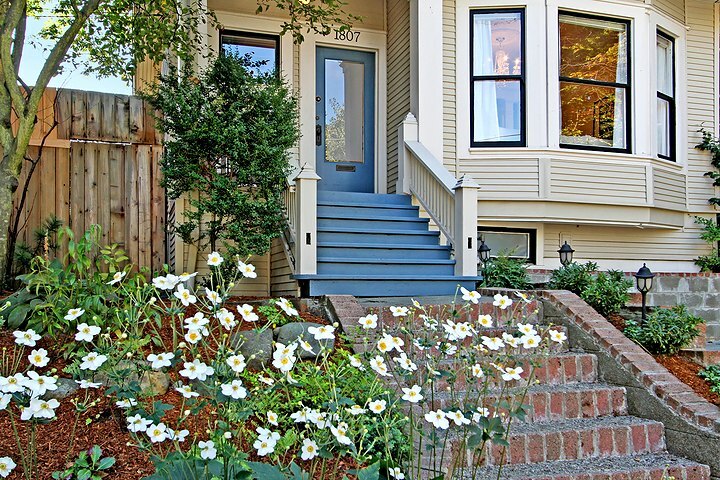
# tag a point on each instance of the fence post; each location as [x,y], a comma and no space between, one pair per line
[306,221]
[407,132]
[466,227]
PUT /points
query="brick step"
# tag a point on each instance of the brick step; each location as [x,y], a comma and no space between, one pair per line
[559,402]
[579,439]
[483,307]
[651,466]
[560,369]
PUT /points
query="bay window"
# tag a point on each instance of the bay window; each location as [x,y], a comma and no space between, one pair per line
[665,96]
[594,83]
[497,90]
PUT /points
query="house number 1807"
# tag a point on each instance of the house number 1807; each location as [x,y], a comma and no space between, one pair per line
[347,35]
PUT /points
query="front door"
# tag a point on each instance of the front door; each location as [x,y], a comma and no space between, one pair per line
[345,120]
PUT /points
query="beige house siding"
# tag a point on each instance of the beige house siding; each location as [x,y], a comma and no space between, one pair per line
[398,80]
[505,177]
[280,282]
[701,97]
[672,8]
[669,189]
[572,180]
[449,101]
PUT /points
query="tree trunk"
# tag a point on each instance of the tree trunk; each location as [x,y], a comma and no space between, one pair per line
[8,184]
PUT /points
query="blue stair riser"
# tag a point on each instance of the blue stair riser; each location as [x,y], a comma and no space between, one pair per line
[421,238]
[374,223]
[363,198]
[422,270]
[352,211]
[430,253]
[387,288]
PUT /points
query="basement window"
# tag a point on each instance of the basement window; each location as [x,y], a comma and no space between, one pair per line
[513,242]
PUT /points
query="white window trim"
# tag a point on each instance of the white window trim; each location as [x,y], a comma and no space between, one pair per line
[541,75]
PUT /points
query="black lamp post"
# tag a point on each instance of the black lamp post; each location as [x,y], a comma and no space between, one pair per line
[566,254]
[644,280]
[483,255]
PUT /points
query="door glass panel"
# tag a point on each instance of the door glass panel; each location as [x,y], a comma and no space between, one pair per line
[344,111]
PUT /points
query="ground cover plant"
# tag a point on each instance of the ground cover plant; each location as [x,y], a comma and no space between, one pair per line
[711,375]
[607,292]
[314,408]
[665,331]
[504,271]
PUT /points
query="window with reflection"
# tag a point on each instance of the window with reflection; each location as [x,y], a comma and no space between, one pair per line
[260,49]
[665,96]
[497,87]
[594,83]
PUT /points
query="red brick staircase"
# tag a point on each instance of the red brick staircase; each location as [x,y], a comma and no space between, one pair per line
[578,428]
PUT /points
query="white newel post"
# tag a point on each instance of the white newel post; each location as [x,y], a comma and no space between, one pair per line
[407,132]
[306,221]
[466,227]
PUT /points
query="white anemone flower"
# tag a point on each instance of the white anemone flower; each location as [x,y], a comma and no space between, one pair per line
[214,259]
[530,341]
[186,391]
[207,450]
[38,358]
[87,384]
[86,333]
[13,383]
[524,297]
[157,433]
[236,363]
[160,360]
[502,301]
[178,436]
[305,345]
[323,332]
[92,361]
[137,423]
[284,363]
[7,465]
[386,343]
[340,433]
[213,297]
[485,321]
[309,449]
[356,362]
[5,400]
[458,417]
[527,329]
[196,370]
[378,364]
[40,384]
[477,371]
[264,446]
[184,295]
[399,311]
[301,416]
[395,472]
[27,338]
[272,418]
[494,343]
[126,403]
[39,408]
[196,322]
[368,321]
[512,373]
[185,276]
[356,410]
[266,380]
[470,295]
[413,394]
[226,318]
[286,307]
[247,313]
[234,390]
[117,277]
[247,270]
[377,406]
[557,336]
[164,283]
[267,434]
[193,336]
[438,418]
[405,363]
[74,313]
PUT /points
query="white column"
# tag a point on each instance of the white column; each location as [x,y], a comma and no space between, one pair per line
[466,227]
[407,132]
[306,221]
[426,73]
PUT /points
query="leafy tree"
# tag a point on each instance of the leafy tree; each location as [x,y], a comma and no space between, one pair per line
[229,136]
[108,38]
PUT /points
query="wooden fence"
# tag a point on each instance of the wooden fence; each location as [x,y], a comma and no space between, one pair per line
[99,165]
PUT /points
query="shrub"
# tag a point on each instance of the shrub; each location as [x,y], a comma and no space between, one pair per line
[575,277]
[608,292]
[711,235]
[712,375]
[506,272]
[228,144]
[666,330]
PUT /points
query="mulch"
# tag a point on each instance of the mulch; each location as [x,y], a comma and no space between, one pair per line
[104,424]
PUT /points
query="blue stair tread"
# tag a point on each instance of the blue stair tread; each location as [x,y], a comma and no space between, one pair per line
[404,261]
[329,196]
[379,231]
[340,216]
[384,246]
[394,206]
[404,278]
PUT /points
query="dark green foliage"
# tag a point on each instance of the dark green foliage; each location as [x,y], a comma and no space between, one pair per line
[89,465]
[575,277]
[712,145]
[711,235]
[608,293]
[712,375]
[230,135]
[46,245]
[506,272]
[666,330]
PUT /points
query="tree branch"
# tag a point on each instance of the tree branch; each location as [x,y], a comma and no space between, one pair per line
[12,18]
[19,41]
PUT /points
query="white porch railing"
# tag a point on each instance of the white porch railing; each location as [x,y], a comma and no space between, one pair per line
[301,205]
[289,199]
[451,203]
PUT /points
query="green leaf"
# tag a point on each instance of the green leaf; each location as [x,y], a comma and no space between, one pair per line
[264,471]
[84,474]
[18,315]
[371,472]
[106,463]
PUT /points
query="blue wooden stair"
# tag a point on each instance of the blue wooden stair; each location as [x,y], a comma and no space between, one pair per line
[373,245]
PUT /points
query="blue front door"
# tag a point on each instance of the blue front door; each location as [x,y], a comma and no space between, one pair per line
[345,120]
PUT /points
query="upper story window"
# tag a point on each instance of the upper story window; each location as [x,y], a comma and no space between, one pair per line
[497,90]
[594,83]
[260,48]
[665,96]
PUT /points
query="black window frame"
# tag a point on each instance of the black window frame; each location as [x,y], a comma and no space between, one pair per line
[521,78]
[671,100]
[627,86]
[260,36]
[532,241]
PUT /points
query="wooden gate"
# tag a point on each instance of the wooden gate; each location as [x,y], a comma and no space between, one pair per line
[99,165]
